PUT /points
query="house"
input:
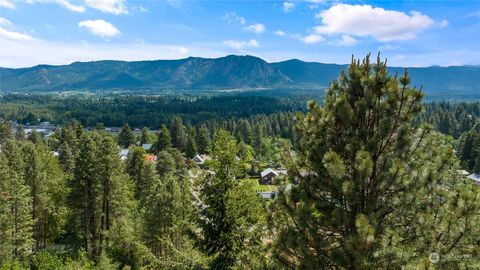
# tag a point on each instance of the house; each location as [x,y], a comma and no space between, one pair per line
[475,177]
[463,173]
[151,158]
[147,146]
[267,195]
[200,159]
[123,154]
[268,176]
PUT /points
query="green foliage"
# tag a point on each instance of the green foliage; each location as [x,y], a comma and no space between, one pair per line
[229,215]
[379,191]
[126,137]
[164,141]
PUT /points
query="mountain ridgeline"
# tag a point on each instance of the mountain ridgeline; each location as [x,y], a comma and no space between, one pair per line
[225,73]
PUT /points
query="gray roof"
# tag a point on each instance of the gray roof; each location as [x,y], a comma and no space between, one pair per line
[475,177]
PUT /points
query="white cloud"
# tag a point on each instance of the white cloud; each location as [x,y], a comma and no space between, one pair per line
[5,22]
[238,45]
[7,4]
[7,32]
[288,6]
[257,28]
[346,40]
[312,38]
[11,35]
[64,3]
[317,1]
[279,33]
[232,17]
[17,53]
[443,23]
[365,20]
[100,28]
[116,7]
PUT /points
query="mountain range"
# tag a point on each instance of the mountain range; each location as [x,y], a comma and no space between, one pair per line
[229,72]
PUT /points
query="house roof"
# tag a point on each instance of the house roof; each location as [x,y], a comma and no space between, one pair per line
[123,152]
[463,172]
[268,171]
[146,146]
[475,177]
[201,158]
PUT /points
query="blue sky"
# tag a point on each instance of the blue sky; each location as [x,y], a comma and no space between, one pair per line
[408,33]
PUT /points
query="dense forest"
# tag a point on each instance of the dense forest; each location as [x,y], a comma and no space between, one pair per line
[373,180]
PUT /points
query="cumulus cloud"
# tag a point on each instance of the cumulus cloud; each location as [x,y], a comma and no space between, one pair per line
[232,17]
[7,4]
[238,44]
[365,20]
[257,28]
[346,40]
[7,32]
[64,3]
[288,6]
[312,38]
[100,28]
[443,23]
[5,22]
[12,35]
[116,7]
[279,33]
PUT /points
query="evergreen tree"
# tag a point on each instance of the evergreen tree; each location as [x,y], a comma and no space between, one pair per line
[16,241]
[179,134]
[135,169]
[203,140]
[66,158]
[144,136]
[5,131]
[126,137]
[378,184]
[191,149]
[164,141]
[20,133]
[35,137]
[226,220]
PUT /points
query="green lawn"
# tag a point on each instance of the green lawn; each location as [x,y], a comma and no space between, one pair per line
[258,187]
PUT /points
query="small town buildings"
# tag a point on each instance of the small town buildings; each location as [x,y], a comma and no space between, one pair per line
[200,159]
[268,176]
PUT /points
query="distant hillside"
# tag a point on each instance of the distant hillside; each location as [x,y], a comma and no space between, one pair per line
[230,72]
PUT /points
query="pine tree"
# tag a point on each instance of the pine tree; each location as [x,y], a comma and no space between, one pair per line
[16,241]
[179,134]
[374,182]
[191,149]
[66,158]
[135,168]
[164,141]
[227,221]
[144,136]
[203,140]
[5,131]
[46,181]
[126,137]
[35,137]
[20,133]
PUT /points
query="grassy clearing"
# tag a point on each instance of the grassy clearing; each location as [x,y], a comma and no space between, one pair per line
[258,187]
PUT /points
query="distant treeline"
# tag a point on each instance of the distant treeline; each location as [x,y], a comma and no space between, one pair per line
[140,111]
